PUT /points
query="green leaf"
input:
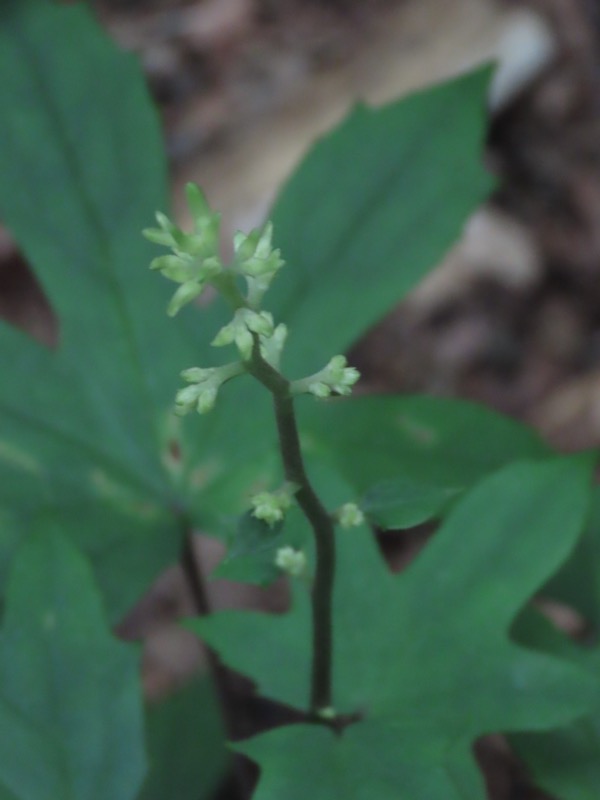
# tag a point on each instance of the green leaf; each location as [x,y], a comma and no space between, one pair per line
[430,441]
[186,747]
[253,535]
[565,762]
[85,428]
[31,763]
[252,550]
[370,762]
[372,209]
[425,655]
[68,689]
[402,503]
[578,582]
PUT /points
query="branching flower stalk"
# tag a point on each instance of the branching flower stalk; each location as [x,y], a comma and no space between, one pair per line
[194,264]
[320,521]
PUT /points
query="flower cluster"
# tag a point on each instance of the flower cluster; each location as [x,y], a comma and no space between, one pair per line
[293,562]
[271,506]
[245,322]
[205,384]
[195,263]
[256,261]
[195,260]
[349,516]
[336,378]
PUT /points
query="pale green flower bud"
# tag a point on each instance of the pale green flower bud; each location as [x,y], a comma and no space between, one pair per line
[201,397]
[186,399]
[167,226]
[158,237]
[319,389]
[197,202]
[197,374]
[244,245]
[206,399]
[185,294]
[165,223]
[175,268]
[291,561]
[271,347]
[168,234]
[225,336]
[258,322]
[235,331]
[349,515]
[244,343]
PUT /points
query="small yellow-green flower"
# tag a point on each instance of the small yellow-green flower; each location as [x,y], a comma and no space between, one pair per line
[293,562]
[349,515]
[271,506]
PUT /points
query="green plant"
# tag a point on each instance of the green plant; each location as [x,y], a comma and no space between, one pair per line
[102,485]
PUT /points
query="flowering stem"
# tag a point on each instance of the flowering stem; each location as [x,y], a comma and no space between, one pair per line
[320,522]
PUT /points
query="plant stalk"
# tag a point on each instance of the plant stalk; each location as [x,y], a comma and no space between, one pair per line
[320,522]
[242,783]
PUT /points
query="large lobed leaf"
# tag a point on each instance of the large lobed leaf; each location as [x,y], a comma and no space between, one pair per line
[70,700]
[577,584]
[425,655]
[566,762]
[81,172]
[186,745]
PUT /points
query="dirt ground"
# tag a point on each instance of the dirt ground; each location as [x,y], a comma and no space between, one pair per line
[512,317]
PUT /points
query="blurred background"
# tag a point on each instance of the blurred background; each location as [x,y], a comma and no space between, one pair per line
[511,318]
